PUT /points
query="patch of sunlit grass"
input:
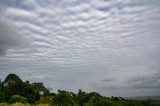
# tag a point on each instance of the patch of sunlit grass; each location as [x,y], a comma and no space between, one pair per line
[21,104]
[4,104]
[42,104]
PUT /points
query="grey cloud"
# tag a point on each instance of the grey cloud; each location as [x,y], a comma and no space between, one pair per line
[10,38]
[108,80]
[151,81]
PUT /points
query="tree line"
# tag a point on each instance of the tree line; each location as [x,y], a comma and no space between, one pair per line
[13,90]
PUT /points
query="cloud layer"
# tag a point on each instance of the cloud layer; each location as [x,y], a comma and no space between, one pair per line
[10,38]
[104,46]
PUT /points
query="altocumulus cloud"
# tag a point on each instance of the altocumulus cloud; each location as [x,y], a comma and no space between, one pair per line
[10,38]
[108,46]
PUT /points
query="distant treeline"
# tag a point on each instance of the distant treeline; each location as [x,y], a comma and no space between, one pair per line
[13,90]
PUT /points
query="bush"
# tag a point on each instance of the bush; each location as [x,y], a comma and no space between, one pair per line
[17,98]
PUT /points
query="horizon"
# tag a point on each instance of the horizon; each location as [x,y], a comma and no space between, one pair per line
[110,47]
[51,91]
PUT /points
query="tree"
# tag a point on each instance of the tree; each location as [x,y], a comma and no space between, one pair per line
[82,97]
[63,98]
[13,77]
[39,87]
[29,92]
[2,95]
[12,85]
[95,99]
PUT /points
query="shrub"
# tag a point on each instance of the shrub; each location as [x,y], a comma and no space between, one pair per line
[17,98]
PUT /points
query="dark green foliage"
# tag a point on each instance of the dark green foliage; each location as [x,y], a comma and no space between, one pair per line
[82,97]
[11,86]
[2,95]
[63,98]
[13,77]
[115,98]
[29,92]
[98,101]
[40,87]
[17,98]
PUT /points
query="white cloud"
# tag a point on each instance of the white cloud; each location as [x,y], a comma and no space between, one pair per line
[20,13]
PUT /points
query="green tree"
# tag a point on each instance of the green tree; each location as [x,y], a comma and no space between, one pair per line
[63,98]
[98,101]
[39,87]
[29,92]
[2,94]
[12,85]
[82,97]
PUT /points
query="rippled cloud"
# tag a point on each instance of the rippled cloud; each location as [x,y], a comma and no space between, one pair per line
[94,45]
[10,38]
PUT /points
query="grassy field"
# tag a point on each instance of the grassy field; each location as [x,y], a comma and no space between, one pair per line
[21,104]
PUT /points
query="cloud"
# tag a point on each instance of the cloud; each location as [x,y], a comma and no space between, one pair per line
[99,44]
[15,12]
[10,38]
[148,81]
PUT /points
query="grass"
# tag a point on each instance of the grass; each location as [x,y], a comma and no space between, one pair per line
[21,104]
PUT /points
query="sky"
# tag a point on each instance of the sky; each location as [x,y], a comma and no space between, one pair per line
[108,46]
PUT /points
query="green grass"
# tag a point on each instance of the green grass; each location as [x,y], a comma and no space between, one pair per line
[22,104]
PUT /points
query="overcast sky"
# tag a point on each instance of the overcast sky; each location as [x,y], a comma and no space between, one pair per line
[108,46]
